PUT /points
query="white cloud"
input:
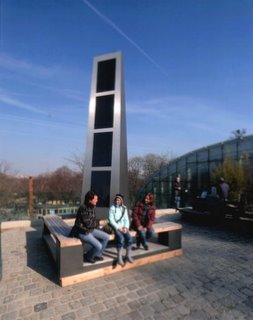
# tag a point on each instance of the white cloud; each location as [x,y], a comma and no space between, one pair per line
[23,66]
[24,72]
[47,122]
[181,124]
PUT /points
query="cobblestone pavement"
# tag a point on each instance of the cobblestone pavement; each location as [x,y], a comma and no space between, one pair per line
[211,280]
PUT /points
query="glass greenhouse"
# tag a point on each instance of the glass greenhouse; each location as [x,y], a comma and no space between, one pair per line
[194,169]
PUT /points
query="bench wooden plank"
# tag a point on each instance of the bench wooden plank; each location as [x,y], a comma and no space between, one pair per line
[166,226]
[56,225]
[60,230]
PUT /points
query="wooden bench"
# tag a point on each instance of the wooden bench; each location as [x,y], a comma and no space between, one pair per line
[68,252]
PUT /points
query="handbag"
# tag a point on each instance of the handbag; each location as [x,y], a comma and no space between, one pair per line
[108,228]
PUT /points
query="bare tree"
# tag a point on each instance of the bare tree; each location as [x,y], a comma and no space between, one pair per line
[78,161]
[153,162]
[6,178]
[140,169]
[12,187]
[135,175]
[4,167]
[62,184]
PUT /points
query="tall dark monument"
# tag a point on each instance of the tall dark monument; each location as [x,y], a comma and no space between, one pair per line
[105,167]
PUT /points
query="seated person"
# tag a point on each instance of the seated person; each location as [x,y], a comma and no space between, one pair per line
[143,216]
[118,218]
[85,228]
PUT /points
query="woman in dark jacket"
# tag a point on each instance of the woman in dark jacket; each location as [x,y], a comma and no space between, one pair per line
[85,228]
[143,216]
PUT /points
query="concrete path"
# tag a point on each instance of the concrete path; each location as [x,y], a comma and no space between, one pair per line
[213,279]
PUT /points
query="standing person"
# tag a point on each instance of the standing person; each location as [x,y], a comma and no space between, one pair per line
[119,220]
[223,189]
[177,192]
[143,216]
[85,228]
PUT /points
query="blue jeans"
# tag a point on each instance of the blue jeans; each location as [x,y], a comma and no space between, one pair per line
[92,238]
[177,201]
[142,236]
[123,239]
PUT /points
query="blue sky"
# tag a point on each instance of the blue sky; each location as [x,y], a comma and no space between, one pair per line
[188,74]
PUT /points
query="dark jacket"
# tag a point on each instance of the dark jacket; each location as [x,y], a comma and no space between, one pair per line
[85,221]
[143,216]
[177,189]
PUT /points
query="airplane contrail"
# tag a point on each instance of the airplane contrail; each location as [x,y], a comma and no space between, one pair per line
[18,104]
[124,35]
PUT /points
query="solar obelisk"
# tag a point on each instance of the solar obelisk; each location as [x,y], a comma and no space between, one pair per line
[105,166]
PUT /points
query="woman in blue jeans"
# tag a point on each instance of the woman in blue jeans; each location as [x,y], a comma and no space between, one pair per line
[85,228]
[143,215]
[118,218]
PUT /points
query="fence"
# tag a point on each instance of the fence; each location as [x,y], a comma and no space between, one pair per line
[16,206]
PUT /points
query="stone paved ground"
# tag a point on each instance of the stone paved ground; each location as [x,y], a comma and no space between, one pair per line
[212,280]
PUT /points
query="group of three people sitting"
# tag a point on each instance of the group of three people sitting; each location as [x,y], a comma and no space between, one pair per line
[89,229]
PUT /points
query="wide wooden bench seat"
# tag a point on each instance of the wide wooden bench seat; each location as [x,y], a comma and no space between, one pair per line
[68,252]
